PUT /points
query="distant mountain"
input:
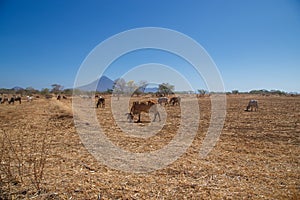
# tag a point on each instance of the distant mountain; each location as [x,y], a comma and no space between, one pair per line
[106,83]
[17,88]
[151,90]
[101,85]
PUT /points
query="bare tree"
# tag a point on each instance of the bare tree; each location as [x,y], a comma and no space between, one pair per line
[140,88]
[119,86]
[131,87]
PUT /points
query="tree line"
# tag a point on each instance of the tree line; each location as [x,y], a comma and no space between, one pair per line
[55,89]
[121,87]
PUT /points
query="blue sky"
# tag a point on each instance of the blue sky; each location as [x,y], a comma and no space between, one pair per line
[255,44]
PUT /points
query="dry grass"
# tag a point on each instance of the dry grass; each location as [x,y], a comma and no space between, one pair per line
[257,156]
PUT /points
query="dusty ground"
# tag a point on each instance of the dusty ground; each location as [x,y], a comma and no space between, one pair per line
[256,157]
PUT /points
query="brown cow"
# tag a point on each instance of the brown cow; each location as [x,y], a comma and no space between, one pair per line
[139,107]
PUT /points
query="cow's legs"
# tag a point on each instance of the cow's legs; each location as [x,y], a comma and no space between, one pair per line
[248,107]
[154,117]
[139,118]
[157,113]
[158,116]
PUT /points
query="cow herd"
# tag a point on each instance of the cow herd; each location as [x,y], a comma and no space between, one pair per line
[150,106]
[165,101]
[137,107]
[10,100]
[6,100]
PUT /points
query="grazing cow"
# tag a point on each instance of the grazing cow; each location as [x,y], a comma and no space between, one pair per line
[13,99]
[58,97]
[139,107]
[129,117]
[5,99]
[29,98]
[18,99]
[85,96]
[162,100]
[64,97]
[48,96]
[175,101]
[101,102]
[252,105]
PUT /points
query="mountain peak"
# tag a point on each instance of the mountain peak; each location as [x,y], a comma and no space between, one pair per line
[102,84]
[17,88]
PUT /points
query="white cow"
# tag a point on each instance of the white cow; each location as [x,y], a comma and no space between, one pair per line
[29,98]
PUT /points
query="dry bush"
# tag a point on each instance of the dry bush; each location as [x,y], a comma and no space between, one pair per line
[22,160]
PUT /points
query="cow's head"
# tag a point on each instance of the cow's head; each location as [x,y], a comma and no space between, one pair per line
[129,117]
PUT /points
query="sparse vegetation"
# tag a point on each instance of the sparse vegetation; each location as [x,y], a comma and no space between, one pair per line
[42,157]
[23,156]
[234,91]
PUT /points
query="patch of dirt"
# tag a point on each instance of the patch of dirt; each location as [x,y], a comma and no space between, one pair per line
[256,157]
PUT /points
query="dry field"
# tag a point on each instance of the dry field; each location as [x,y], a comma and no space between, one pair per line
[256,157]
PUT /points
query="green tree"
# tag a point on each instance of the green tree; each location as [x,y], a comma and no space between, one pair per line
[165,88]
[202,91]
[56,88]
[45,91]
[234,91]
[30,90]
[68,91]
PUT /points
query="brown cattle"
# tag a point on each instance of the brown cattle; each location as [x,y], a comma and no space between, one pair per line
[138,108]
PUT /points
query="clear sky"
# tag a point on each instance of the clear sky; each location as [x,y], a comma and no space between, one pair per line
[255,44]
